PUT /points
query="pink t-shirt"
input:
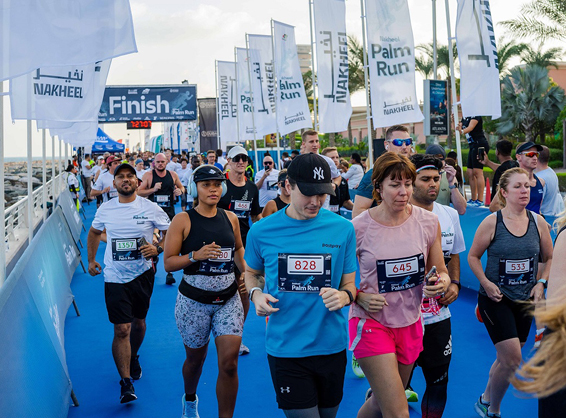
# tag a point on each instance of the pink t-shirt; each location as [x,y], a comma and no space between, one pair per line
[393,262]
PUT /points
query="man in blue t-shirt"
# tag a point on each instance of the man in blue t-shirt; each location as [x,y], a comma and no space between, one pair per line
[302,280]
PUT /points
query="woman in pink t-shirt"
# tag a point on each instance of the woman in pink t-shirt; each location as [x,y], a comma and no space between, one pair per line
[397,244]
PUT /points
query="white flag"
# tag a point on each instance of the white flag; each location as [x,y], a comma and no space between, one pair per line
[59,94]
[334,108]
[292,107]
[480,92]
[37,34]
[263,83]
[227,103]
[245,108]
[391,54]
[80,134]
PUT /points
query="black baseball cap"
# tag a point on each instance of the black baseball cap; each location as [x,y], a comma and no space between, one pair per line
[282,176]
[208,172]
[435,149]
[124,166]
[311,172]
[528,145]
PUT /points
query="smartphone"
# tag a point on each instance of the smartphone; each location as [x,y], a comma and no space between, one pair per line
[431,275]
[143,241]
[481,153]
[267,167]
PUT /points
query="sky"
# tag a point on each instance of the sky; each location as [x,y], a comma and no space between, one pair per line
[180,40]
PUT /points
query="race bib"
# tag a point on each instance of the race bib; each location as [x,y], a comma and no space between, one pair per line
[400,274]
[304,272]
[126,249]
[242,208]
[162,200]
[516,272]
[112,194]
[334,208]
[224,264]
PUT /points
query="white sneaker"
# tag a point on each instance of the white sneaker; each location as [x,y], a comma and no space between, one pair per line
[190,409]
[243,350]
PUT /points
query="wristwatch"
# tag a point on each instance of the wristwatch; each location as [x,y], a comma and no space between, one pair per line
[349,296]
[253,290]
[191,257]
[159,249]
[452,187]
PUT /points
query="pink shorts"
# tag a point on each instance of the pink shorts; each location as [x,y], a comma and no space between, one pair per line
[369,338]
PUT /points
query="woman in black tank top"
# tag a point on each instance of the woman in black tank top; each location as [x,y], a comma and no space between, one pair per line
[280,201]
[205,243]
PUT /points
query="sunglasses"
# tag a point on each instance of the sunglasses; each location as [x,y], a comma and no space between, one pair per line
[399,142]
[240,157]
[530,154]
[268,163]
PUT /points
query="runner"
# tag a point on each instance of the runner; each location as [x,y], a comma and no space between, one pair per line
[104,185]
[342,197]
[282,200]
[208,239]
[308,275]
[514,238]
[386,331]
[129,222]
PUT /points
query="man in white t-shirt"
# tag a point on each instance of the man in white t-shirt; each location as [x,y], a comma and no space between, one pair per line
[266,181]
[129,222]
[104,185]
[87,175]
[552,202]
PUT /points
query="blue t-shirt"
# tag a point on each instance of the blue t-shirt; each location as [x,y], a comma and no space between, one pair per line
[298,258]
[365,188]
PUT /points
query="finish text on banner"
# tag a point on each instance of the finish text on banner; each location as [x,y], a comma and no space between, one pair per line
[263,83]
[391,54]
[480,92]
[292,107]
[334,108]
[227,103]
[245,107]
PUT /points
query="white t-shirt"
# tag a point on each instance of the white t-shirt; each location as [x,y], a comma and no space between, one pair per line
[185,182]
[95,169]
[354,175]
[72,181]
[334,172]
[171,166]
[105,179]
[87,170]
[269,187]
[182,171]
[452,243]
[552,202]
[222,161]
[125,224]
[140,173]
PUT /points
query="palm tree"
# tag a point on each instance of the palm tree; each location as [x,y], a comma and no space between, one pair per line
[506,50]
[442,56]
[527,100]
[541,20]
[424,65]
[541,58]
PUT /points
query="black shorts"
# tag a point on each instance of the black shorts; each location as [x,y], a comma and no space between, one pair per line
[437,345]
[126,301]
[473,161]
[506,319]
[306,382]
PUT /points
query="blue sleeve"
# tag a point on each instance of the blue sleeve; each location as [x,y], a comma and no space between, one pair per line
[252,255]
[365,188]
[350,261]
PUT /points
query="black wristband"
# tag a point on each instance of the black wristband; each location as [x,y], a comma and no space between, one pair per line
[349,295]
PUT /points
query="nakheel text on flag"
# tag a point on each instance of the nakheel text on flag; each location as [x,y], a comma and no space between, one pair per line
[391,60]
[245,107]
[227,102]
[480,91]
[292,106]
[334,108]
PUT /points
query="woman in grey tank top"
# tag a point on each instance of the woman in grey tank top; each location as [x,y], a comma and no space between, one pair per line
[515,240]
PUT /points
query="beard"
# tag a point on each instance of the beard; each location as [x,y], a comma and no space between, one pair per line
[126,192]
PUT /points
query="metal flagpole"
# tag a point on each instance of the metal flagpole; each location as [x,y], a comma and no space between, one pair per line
[434,60]
[252,101]
[314,84]
[218,141]
[364,35]
[44,164]
[237,95]
[59,164]
[275,86]
[2,202]
[30,185]
[53,186]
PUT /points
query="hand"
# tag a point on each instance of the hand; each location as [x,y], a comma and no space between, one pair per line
[106,190]
[371,302]
[537,292]
[77,195]
[262,302]
[94,268]
[484,160]
[207,251]
[451,295]
[493,292]
[433,290]
[148,251]
[157,186]
[177,191]
[333,298]
[450,174]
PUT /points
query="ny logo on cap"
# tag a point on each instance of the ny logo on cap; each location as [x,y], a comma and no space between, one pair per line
[211,171]
[318,174]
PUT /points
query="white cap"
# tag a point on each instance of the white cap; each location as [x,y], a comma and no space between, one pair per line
[237,150]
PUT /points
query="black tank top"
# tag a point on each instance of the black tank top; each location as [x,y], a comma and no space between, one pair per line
[164,197]
[204,231]
[279,203]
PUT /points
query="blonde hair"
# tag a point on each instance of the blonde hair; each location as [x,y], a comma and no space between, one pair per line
[394,166]
[504,183]
[328,149]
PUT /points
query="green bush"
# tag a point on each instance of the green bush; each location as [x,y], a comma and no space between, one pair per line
[555,164]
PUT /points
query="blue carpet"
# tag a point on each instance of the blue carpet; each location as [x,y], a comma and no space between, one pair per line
[95,379]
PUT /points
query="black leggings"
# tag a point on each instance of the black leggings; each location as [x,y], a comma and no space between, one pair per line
[434,398]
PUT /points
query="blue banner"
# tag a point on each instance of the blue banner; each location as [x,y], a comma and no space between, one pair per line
[158,104]
[72,217]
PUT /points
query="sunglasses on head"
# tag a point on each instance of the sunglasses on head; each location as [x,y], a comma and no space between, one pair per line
[530,154]
[399,142]
[240,157]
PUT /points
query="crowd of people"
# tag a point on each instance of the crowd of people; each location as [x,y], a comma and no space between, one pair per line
[404,242]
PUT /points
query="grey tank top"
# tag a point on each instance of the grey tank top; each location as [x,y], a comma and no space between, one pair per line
[512,261]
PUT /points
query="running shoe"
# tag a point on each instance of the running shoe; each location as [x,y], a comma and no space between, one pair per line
[479,203]
[411,395]
[169,279]
[243,350]
[135,368]
[190,409]
[481,407]
[493,415]
[356,368]
[127,393]
[478,315]
[369,392]
[470,202]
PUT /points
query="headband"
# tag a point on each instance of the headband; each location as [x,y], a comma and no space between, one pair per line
[426,167]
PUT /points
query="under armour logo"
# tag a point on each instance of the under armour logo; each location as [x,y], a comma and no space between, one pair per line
[318,174]
[286,390]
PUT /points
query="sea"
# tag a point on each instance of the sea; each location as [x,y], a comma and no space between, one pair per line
[23,159]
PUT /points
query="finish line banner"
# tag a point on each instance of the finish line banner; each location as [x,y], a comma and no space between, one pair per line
[155,103]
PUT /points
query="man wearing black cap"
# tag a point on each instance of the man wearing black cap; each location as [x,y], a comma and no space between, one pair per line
[129,222]
[308,275]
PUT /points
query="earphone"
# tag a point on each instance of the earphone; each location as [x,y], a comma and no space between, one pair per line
[193,186]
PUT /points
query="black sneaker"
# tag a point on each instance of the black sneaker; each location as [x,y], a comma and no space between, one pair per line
[127,391]
[169,279]
[135,368]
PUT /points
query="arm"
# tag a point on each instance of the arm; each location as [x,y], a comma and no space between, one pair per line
[179,188]
[546,252]
[259,182]
[495,205]
[361,204]
[556,281]
[436,258]
[335,299]
[144,189]
[453,289]
[262,301]
[486,161]
[470,127]
[239,246]
[348,204]
[269,209]
[92,243]
[456,197]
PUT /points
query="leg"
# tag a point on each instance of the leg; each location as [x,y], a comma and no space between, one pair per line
[192,367]
[228,347]
[472,155]
[509,358]
[137,335]
[302,413]
[434,398]
[121,349]
[480,182]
